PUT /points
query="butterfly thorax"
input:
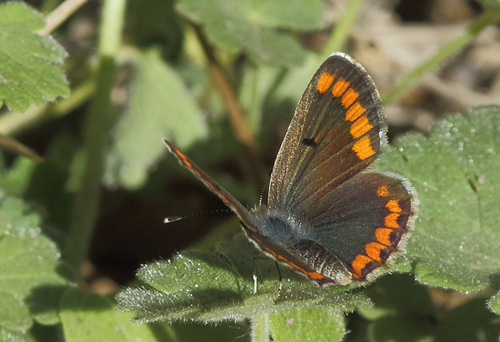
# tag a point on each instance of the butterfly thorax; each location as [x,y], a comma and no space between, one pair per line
[282,229]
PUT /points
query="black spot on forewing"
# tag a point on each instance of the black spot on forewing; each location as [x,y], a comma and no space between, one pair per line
[309,142]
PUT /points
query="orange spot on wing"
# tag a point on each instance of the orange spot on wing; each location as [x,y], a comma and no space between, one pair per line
[360,127]
[272,252]
[363,148]
[313,275]
[349,97]
[184,158]
[373,250]
[339,87]
[393,206]
[354,112]
[359,263]
[391,220]
[382,191]
[224,198]
[383,235]
[325,81]
[210,185]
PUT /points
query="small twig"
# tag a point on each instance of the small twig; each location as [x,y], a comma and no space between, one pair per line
[60,14]
[459,93]
[445,51]
[251,163]
[236,115]
[17,147]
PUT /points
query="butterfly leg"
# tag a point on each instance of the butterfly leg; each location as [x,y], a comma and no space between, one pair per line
[256,270]
[280,286]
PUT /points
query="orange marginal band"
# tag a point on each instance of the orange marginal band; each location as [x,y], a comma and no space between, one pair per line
[393,206]
[383,236]
[184,158]
[391,220]
[373,250]
[359,263]
[312,275]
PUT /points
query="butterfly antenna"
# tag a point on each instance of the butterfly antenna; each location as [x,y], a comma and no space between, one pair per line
[173,218]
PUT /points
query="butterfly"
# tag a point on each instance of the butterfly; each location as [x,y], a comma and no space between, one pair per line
[327,217]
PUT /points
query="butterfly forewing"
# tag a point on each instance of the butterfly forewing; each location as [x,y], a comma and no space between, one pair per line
[235,205]
[336,132]
[351,220]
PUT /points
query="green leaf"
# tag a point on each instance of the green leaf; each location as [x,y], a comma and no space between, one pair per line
[15,180]
[153,21]
[318,323]
[455,171]
[403,310]
[54,173]
[286,14]
[400,328]
[160,107]
[398,295]
[14,314]
[494,304]
[492,5]
[250,25]
[408,314]
[225,332]
[468,322]
[15,336]
[454,244]
[209,287]
[30,64]
[29,265]
[89,317]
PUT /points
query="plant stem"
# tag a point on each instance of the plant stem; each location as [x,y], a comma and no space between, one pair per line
[96,134]
[251,162]
[260,328]
[339,36]
[444,52]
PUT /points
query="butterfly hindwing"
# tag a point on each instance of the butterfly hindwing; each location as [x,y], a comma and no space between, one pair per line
[363,220]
